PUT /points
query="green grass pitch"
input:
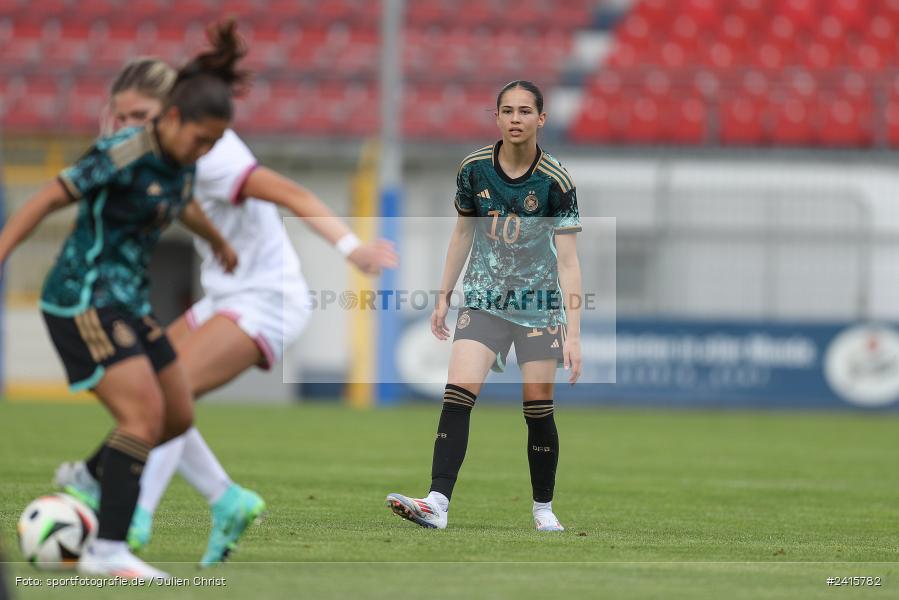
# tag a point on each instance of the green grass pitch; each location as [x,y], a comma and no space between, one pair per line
[658,504]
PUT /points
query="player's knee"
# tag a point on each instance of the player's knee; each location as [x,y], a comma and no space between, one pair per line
[146,427]
[541,390]
[145,416]
[177,422]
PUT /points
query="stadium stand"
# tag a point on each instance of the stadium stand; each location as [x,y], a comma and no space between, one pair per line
[747,72]
[315,62]
[736,73]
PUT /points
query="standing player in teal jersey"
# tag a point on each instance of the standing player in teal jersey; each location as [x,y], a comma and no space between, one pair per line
[95,300]
[517,217]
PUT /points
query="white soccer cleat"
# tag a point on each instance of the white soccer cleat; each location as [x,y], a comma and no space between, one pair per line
[74,478]
[114,559]
[418,510]
[545,520]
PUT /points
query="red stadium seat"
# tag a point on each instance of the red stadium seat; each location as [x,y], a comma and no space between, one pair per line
[706,13]
[644,120]
[867,57]
[168,44]
[36,109]
[832,33]
[742,122]
[657,12]
[802,85]
[892,123]
[686,32]
[719,55]
[687,122]
[770,57]
[854,14]
[624,55]
[785,36]
[890,9]
[755,12]
[794,123]
[845,124]
[70,49]
[881,33]
[735,31]
[115,48]
[84,105]
[599,120]
[656,84]
[25,46]
[634,30]
[802,13]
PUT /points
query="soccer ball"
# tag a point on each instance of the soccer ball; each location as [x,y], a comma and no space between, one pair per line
[54,529]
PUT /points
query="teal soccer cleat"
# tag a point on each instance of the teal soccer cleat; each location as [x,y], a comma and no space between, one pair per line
[74,479]
[141,529]
[236,510]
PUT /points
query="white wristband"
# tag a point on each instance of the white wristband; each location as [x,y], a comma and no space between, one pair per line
[347,244]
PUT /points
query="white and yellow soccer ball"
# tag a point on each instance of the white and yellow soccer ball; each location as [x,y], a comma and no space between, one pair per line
[54,529]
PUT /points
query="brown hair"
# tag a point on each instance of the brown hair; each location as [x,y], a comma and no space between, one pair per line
[205,86]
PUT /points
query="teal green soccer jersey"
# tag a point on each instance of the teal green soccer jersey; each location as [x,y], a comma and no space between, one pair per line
[513,268]
[128,191]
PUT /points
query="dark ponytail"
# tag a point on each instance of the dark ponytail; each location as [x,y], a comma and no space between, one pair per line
[204,86]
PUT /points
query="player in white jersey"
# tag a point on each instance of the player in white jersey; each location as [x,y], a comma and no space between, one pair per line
[245,319]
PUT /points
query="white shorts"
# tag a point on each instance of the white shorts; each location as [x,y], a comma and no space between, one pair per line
[273,319]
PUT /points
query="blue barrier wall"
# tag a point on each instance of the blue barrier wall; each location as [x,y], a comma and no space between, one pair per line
[729,364]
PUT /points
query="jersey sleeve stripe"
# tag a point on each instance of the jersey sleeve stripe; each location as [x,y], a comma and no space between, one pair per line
[475,157]
[558,169]
[568,229]
[463,211]
[562,183]
[69,187]
[129,150]
[236,195]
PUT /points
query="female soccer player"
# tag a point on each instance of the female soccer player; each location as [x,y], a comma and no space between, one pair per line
[245,319]
[517,217]
[95,300]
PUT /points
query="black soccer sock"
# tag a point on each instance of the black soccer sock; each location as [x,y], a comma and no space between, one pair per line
[452,438]
[543,448]
[121,464]
[93,462]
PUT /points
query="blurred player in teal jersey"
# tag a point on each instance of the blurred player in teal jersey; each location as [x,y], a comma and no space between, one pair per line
[518,217]
[95,300]
[246,318]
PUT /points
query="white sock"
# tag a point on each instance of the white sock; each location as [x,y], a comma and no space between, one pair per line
[201,468]
[439,499]
[539,506]
[158,472]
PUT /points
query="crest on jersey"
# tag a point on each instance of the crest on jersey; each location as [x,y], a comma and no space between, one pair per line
[464,320]
[531,203]
[123,335]
[154,189]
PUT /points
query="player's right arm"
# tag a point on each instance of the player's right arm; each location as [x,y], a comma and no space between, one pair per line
[270,186]
[51,198]
[457,253]
[92,172]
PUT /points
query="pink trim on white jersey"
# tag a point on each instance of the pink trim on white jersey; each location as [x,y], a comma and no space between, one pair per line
[236,196]
[191,319]
[266,349]
[268,357]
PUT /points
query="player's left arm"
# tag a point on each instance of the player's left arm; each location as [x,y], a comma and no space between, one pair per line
[570,282]
[370,258]
[199,224]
